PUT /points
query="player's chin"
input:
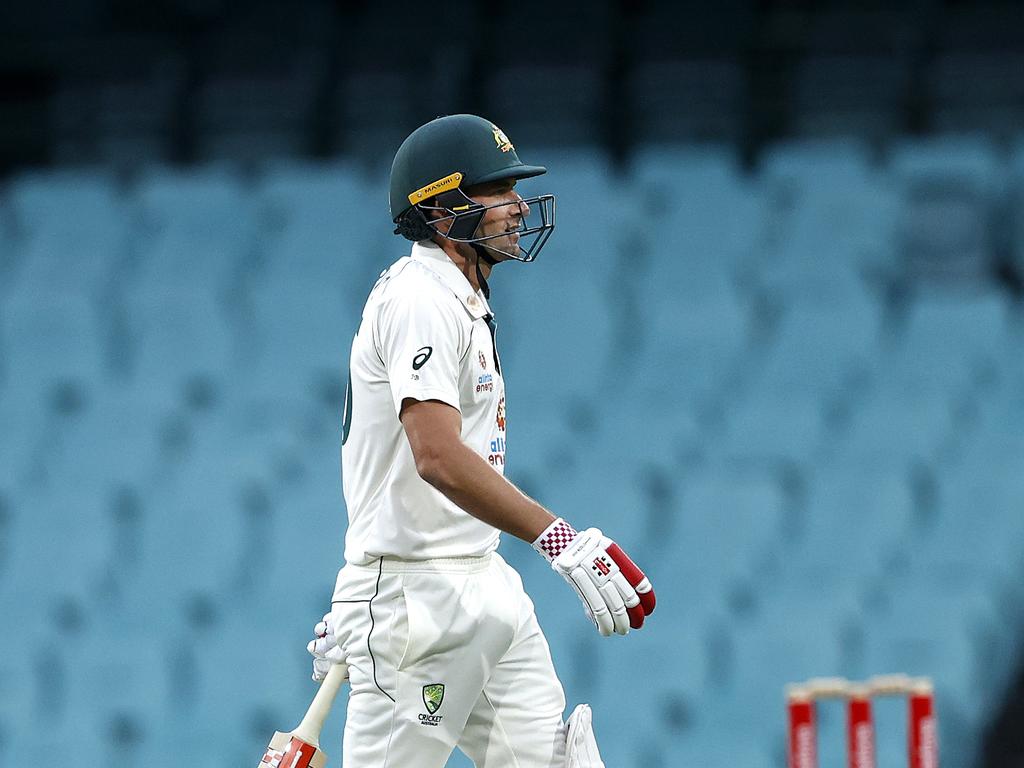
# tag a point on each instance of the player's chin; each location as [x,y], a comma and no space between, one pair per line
[504,248]
[512,244]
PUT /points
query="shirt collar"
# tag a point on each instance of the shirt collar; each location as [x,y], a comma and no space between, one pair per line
[436,260]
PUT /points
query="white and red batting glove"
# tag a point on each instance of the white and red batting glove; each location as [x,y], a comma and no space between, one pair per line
[325,649]
[615,593]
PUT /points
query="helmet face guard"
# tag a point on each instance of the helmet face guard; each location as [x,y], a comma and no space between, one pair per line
[465,214]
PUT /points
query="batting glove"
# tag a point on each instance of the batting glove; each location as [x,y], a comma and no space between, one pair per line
[615,593]
[325,649]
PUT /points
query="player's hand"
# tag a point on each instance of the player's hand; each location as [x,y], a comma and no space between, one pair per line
[325,649]
[615,593]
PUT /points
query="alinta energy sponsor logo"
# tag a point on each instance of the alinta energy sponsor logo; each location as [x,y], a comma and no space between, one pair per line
[497,455]
[433,695]
[484,383]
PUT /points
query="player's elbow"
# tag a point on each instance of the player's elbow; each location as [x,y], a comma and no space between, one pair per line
[427,467]
[433,465]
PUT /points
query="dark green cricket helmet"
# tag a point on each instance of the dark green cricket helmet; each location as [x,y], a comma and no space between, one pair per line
[441,159]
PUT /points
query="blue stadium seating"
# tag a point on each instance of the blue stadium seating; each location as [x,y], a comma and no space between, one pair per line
[819,471]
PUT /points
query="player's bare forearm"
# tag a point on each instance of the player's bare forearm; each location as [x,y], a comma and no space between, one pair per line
[472,483]
[461,474]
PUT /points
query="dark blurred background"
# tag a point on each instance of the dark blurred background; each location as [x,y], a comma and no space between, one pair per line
[774,347]
[120,82]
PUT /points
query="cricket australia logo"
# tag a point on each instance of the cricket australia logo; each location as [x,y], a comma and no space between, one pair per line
[501,139]
[433,695]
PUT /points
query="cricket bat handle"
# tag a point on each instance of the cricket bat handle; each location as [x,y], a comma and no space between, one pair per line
[313,722]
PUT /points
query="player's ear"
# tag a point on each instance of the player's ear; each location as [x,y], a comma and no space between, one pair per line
[433,214]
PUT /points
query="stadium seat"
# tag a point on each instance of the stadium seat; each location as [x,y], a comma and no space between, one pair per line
[69,231]
[1016,201]
[197,227]
[695,342]
[728,523]
[551,336]
[177,333]
[671,695]
[119,109]
[775,428]
[318,218]
[48,339]
[992,436]
[975,91]
[979,522]
[21,427]
[65,745]
[855,517]
[827,221]
[195,529]
[115,441]
[681,434]
[74,532]
[851,95]
[950,344]
[821,349]
[302,332]
[704,105]
[830,210]
[131,668]
[895,431]
[67,201]
[968,156]
[547,438]
[943,235]
[259,86]
[702,214]
[949,184]
[15,716]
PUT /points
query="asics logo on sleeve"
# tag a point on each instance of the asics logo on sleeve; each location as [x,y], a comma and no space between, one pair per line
[422,355]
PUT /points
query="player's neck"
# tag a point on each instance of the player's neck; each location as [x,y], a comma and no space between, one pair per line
[465,258]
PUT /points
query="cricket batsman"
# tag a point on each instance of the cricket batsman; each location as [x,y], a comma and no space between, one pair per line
[442,644]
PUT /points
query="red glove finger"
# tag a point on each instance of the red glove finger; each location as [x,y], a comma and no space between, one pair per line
[629,595]
[636,579]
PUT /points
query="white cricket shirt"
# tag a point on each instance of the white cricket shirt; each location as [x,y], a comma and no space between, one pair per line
[424,334]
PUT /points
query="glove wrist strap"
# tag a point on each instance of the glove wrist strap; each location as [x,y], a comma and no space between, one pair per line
[554,539]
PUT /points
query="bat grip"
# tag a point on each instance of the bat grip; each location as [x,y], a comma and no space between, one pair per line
[313,722]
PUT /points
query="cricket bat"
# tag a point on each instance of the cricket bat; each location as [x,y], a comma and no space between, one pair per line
[301,747]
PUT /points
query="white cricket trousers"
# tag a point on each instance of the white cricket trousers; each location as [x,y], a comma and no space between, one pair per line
[443,654]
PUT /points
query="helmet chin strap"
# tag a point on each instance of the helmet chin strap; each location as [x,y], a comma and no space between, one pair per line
[481,253]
